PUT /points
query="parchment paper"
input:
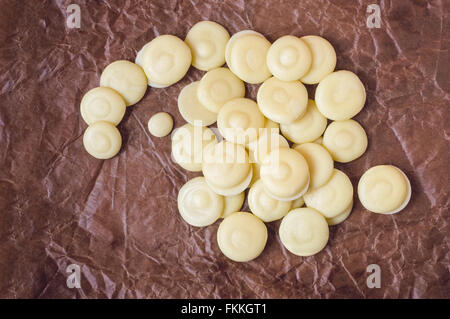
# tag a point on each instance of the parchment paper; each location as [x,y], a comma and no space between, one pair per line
[118,219]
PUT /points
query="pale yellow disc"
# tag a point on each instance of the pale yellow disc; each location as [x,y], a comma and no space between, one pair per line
[289,58]
[219,86]
[248,58]
[323,59]
[226,166]
[240,120]
[345,140]
[188,146]
[242,236]
[160,124]
[285,174]
[307,128]
[282,102]
[267,142]
[127,78]
[191,109]
[340,95]
[264,206]
[207,40]
[319,161]
[304,232]
[198,204]
[299,202]
[102,140]
[384,189]
[165,60]
[233,204]
[341,217]
[332,198]
[102,104]
[233,40]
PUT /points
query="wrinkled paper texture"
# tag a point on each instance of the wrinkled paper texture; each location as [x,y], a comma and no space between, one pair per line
[118,219]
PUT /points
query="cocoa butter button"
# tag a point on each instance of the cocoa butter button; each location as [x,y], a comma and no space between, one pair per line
[160,124]
[165,60]
[340,95]
[198,204]
[102,104]
[384,189]
[102,140]
[217,87]
[289,58]
[242,236]
[207,40]
[304,231]
[126,78]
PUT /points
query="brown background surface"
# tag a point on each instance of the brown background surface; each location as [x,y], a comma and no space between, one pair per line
[118,218]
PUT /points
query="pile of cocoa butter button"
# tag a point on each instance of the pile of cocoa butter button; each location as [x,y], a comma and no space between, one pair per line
[280,147]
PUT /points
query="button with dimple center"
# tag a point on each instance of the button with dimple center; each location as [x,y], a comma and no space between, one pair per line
[165,60]
[384,189]
[288,56]
[102,140]
[217,87]
[246,56]
[241,236]
[264,206]
[304,231]
[207,41]
[345,140]
[292,96]
[285,174]
[102,104]
[197,203]
[340,95]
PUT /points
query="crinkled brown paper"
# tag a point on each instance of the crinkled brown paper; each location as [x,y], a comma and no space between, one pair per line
[118,218]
